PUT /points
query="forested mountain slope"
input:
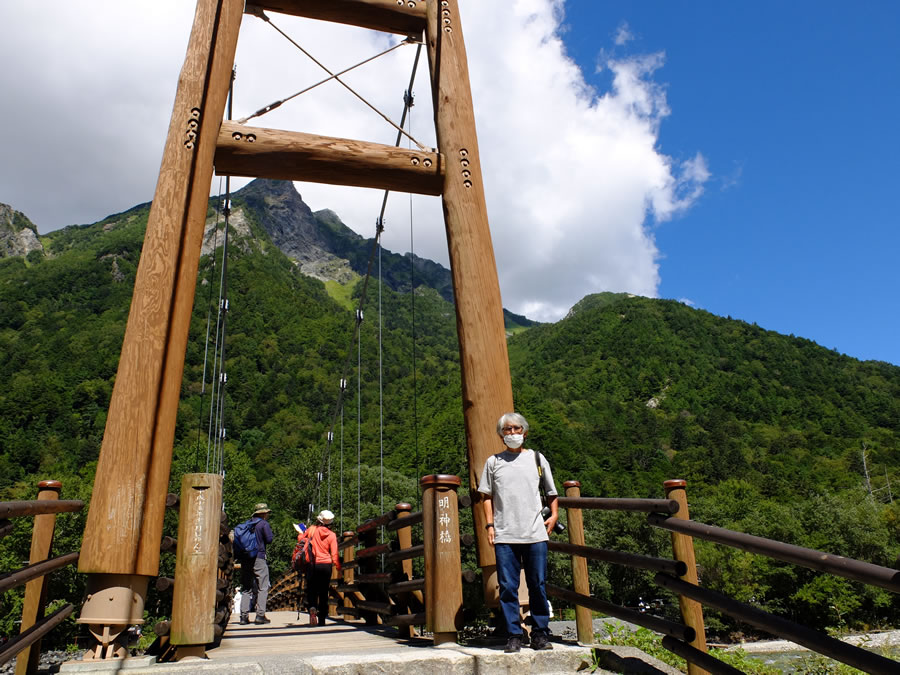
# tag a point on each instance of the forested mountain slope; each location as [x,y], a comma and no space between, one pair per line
[625,392]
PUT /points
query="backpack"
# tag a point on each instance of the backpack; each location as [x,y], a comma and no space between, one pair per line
[303,555]
[245,544]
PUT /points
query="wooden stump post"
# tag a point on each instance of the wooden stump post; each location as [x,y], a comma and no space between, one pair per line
[583,621]
[196,562]
[683,550]
[36,589]
[443,569]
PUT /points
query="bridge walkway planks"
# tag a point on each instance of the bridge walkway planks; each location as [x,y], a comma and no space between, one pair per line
[287,635]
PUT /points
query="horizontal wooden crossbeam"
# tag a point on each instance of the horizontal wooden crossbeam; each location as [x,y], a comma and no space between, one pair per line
[293,155]
[405,17]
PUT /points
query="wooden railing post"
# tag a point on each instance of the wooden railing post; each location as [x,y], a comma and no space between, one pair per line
[335,577]
[683,550]
[196,564]
[368,565]
[443,569]
[404,541]
[348,572]
[36,589]
[584,626]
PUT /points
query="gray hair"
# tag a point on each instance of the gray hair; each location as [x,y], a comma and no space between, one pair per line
[513,418]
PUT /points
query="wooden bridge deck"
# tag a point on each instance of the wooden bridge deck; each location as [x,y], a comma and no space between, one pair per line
[288,647]
[288,635]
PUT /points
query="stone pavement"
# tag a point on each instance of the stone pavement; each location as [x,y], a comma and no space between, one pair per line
[288,646]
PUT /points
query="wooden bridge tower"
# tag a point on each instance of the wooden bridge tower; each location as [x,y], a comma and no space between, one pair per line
[124,526]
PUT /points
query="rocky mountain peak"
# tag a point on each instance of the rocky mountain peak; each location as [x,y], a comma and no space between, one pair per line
[286,218]
[18,235]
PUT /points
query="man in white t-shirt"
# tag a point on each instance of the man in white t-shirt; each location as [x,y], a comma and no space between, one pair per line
[517,530]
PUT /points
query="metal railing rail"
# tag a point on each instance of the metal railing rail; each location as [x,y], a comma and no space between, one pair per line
[674,575]
[616,504]
[814,640]
[636,560]
[654,623]
[34,633]
[39,569]
[848,568]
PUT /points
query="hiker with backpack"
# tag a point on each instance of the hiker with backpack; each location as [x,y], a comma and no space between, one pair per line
[250,540]
[514,484]
[316,553]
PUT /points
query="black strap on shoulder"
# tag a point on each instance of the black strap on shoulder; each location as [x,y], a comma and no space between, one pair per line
[540,471]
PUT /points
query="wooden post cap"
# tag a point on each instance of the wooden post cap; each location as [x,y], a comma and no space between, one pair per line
[50,485]
[348,534]
[675,483]
[403,506]
[572,483]
[440,480]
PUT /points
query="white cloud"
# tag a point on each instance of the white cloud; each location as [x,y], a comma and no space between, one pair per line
[623,34]
[574,177]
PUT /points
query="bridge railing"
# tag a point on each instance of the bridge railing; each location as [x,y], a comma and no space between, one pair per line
[377,582]
[34,626]
[679,576]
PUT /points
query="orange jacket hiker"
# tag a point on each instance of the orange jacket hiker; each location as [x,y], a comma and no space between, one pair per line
[324,545]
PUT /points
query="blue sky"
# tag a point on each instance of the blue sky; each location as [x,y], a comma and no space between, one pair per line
[740,157]
[795,107]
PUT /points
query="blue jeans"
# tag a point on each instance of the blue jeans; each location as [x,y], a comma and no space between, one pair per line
[511,558]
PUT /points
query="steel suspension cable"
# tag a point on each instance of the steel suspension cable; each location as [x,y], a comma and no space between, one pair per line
[412,301]
[262,15]
[359,318]
[272,106]
[223,311]
[407,103]
[211,269]
[380,394]
[217,397]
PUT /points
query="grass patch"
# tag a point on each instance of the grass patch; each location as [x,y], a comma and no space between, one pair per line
[341,294]
[651,644]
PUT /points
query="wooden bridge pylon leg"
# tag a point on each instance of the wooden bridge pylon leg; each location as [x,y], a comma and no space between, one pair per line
[124,524]
[484,360]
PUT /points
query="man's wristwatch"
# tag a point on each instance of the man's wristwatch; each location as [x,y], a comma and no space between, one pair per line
[488,526]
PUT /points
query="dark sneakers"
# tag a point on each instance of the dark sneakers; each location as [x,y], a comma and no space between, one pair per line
[245,619]
[261,619]
[540,641]
[514,644]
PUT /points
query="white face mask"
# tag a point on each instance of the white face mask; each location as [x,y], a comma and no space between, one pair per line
[514,440]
